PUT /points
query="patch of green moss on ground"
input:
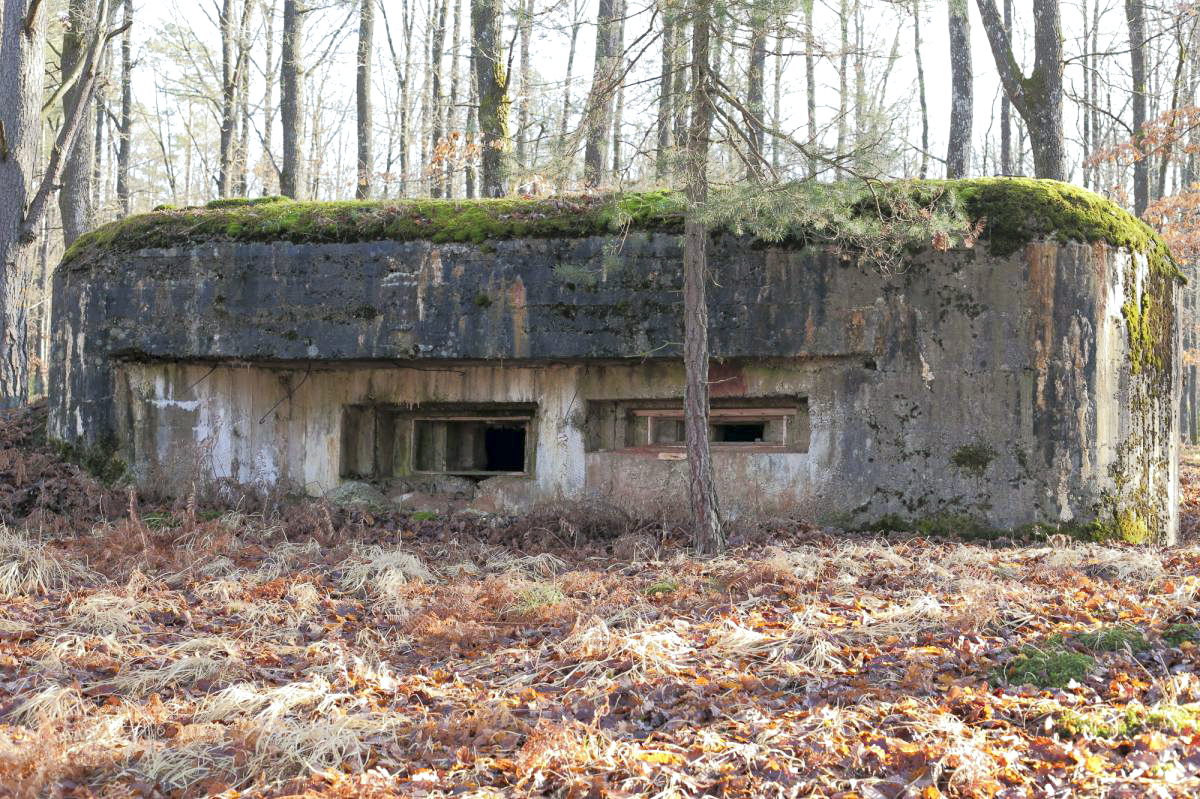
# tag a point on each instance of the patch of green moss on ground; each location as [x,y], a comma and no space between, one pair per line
[1014,210]
[1133,719]
[1114,639]
[1047,664]
[1177,634]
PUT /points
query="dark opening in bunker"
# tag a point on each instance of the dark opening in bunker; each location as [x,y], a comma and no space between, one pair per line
[739,432]
[505,449]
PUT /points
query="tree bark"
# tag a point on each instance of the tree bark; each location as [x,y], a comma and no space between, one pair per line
[23,203]
[366,130]
[291,99]
[924,171]
[437,136]
[843,132]
[706,522]
[958,153]
[228,98]
[242,150]
[491,81]
[777,87]
[1037,98]
[1005,105]
[666,79]
[75,197]
[126,109]
[469,180]
[525,31]
[453,120]
[754,93]
[1135,15]
[810,81]
[270,172]
[618,49]
[600,98]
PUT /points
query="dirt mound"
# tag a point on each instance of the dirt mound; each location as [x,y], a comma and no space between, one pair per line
[39,487]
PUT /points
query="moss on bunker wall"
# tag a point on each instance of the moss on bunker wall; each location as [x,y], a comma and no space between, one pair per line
[1014,211]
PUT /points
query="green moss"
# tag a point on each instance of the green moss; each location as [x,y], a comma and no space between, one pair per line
[1144,326]
[1177,634]
[941,525]
[1014,210]
[666,586]
[1049,664]
[482,300]
[1133,719]
[973,458]
[100,461]
[1114,639]
[244,202]
[422,516]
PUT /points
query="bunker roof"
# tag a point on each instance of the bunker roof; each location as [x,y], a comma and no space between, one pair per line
[1013,211]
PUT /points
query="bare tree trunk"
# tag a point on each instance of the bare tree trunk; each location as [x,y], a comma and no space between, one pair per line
[271,174]
[491,80]
[777,86]
[472,137]
[99,111]
[524,31]
[453,112]
[665,81]
[706,521]
[843,132]
[958,153]
[921,90]
[1095,87]
[75,198]
[810,78]
[126,109]
[291,98]
[754,93]
[366,130]
[229,84]
[618,49]
[242,150]
[1039,97]
[23,203]
[600,98]
[1135,16]
[437,136]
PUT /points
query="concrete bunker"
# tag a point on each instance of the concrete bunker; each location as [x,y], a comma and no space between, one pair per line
[504,353]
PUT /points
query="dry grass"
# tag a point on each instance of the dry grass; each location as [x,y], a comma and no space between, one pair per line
[29,567]
[812,667]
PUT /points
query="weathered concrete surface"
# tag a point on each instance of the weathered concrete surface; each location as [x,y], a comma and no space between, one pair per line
[1001,388]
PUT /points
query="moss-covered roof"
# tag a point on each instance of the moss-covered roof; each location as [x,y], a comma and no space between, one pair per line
[1016,211]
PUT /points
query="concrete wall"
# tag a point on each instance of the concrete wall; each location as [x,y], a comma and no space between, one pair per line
[1001,388]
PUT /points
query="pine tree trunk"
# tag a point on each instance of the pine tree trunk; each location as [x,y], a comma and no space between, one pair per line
[75,196]
[365,128]
[291,99]
[662,155]
[126,109]
[491,81]
[958,153]
[706,521]
[754,93]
